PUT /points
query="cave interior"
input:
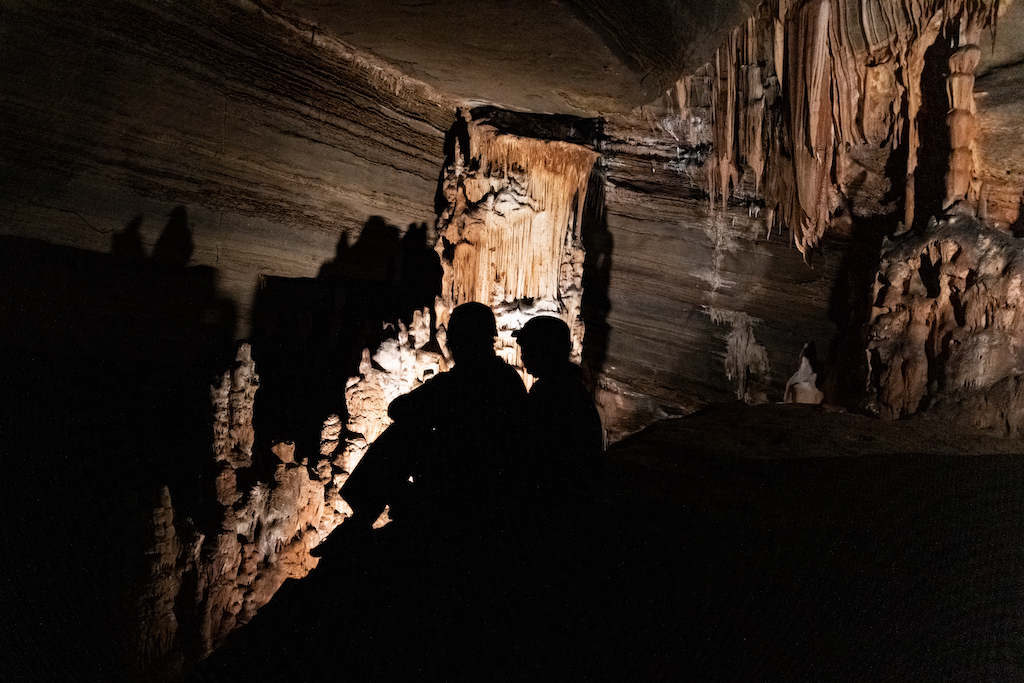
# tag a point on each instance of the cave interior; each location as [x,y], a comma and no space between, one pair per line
[787,240]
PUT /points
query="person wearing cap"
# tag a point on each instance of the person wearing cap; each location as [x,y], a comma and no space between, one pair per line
[566,432]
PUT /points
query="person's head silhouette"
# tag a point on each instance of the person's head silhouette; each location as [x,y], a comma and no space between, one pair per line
[471,333]
[545,344]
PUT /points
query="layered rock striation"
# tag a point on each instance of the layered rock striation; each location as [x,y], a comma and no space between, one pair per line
[276,139]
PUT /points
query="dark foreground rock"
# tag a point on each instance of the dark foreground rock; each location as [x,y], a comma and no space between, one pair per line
[727,549]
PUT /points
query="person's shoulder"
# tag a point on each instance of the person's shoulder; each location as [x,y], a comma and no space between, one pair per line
[568,377]
[564,387]
[507,374]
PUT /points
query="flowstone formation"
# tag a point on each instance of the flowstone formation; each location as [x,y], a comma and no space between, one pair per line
[510,235]
[946,336]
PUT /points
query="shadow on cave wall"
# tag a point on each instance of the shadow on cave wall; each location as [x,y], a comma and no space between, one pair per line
[597,266]
[933,153]
[309,333]
[106,362]
[842,376]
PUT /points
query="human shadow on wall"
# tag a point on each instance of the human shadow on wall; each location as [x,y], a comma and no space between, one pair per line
[309,333]
[105,366]
[597,266]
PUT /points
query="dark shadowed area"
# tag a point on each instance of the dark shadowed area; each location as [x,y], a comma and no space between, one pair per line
[738,544]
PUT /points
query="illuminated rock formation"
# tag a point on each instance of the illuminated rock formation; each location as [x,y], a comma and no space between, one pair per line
[259,535]
[157,624]
[397,367]
[510,235]
[808,102]
[802,387]
[947,329]
[512,239]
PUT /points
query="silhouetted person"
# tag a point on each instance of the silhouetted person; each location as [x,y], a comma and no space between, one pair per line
[437,571]
[565,430]
[456,436]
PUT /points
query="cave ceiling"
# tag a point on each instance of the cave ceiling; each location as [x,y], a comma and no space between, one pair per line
[549,56]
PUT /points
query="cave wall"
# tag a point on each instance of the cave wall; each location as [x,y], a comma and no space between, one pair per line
[275,145]
[825,125]
[163,164]
[270,145]
[274,140]
[703,303]
[165,167]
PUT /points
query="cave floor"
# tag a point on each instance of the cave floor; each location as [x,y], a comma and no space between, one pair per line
[776,543]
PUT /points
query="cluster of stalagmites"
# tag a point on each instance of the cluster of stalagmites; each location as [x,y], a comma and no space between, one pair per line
[216,577]
[397,367]
[946,335]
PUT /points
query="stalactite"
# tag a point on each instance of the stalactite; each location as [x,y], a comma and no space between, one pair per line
[850,73]
[810,114]
[751,143]
[746,360]
[723,97]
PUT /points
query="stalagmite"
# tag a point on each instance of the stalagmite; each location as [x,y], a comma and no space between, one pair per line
[397,367]
[157,625]
[802,387]
[256,537]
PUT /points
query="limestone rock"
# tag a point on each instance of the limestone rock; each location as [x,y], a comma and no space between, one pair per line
[802,387]
[947,332]
[259,536]
[511,233]
[157,625]
[845,67]
[233,399]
